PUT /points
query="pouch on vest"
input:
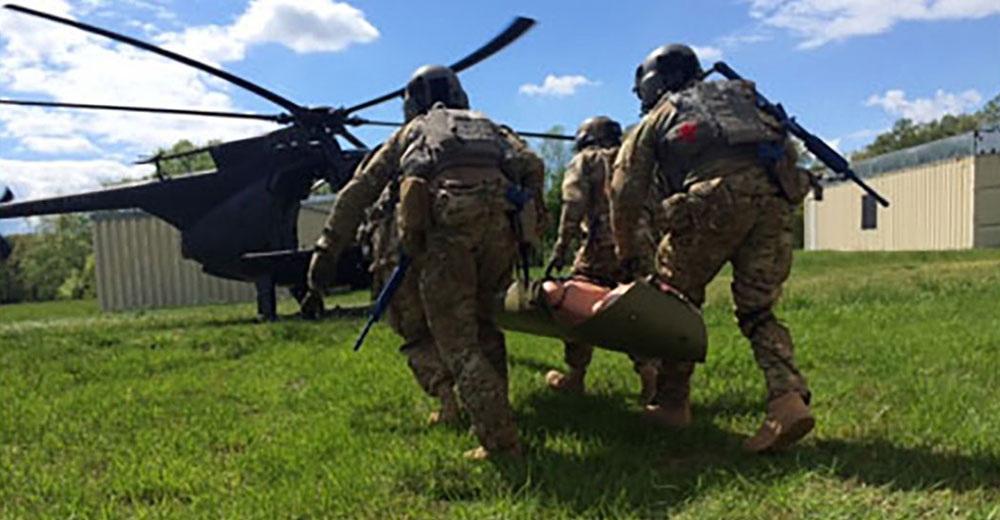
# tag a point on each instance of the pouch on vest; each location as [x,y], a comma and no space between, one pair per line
[642,321]
[793,181]
[449,138]
[710,116]
[733,107]
[528,217]
[414,216]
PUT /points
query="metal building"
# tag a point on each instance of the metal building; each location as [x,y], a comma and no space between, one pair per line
[139,265]
[943,195]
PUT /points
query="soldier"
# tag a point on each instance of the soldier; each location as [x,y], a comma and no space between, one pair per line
[461,178]
[731,187]
[405,313]
[585,207]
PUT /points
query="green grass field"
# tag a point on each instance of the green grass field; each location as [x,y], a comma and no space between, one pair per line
[201,413]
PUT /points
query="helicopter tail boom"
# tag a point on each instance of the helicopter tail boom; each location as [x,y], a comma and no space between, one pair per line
[156,197]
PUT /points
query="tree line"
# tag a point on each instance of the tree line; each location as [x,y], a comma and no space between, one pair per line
[906,134]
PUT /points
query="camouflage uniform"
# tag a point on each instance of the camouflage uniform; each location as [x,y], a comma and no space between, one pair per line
[405,313]
[721,205]
[586,208]
[468,254]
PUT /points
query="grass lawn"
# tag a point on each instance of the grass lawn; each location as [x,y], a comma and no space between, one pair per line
[201,413]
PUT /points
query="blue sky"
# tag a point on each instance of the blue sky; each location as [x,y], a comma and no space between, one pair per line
[847,68]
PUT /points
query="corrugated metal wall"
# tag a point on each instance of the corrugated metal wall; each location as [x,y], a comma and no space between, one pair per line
[987,201]
[139,264]
[931,208]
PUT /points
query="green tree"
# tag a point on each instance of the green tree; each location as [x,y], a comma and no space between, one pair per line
[989,115]
[906,134]
[57,251]
[191,163]
[81,283]
[556,154]
[198,162]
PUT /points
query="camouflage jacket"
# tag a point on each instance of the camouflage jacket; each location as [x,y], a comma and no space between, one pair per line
[707,131]
[382,167]
[585,208]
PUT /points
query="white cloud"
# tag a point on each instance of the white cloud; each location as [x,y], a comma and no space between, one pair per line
[556,86]
[818,22]
[921,110]
[59,145]
[157,8]
[745,37]
[32,179]
[210,43]
[44,60]
[707,54]
[301,25]
[304,25]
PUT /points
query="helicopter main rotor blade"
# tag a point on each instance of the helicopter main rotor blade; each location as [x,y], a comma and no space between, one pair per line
[518,27]
[544,135]
[277,118]
[292,107]
[352,138]
[358,121]
[514,31]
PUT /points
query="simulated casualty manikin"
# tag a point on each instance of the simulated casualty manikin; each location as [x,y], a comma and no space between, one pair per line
[635,318]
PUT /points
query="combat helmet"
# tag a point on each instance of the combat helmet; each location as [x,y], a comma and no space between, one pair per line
[432,84]
[598,131]
[667,69]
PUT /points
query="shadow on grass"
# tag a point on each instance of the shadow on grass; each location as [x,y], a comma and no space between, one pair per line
[532,364]
[165,320]
[607,463]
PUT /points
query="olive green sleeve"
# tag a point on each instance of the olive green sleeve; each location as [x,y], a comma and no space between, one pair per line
[349,207]
[576,191]
[632,179]
[527,166]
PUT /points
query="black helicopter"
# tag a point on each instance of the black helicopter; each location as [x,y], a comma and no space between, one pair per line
[239,221]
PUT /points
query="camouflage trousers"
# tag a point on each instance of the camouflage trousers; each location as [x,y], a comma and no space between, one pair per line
[470,250]
[738,219]
[406,316]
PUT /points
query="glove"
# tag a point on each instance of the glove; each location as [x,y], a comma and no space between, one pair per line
[558,259]
[312,305]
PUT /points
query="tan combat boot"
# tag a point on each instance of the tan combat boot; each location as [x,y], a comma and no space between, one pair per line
[788,420]
[449,413]
[647,377]
[671,405]
[482,454]
[506,447]
[570,383]
[672,415]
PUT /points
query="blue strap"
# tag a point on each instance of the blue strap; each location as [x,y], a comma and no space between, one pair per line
[518,197]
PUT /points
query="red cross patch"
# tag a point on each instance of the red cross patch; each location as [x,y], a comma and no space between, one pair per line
[687,132]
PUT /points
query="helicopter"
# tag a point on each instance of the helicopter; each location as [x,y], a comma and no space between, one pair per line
[239,221]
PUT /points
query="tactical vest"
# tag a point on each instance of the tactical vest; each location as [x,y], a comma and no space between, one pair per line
[711,122]
[452,138]
[446,139]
